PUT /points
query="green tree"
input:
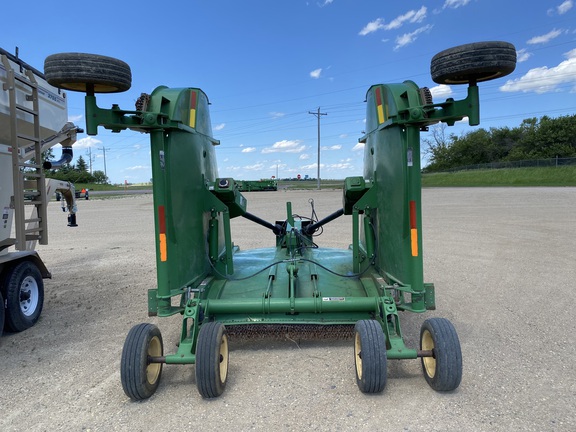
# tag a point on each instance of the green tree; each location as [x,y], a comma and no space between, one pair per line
[437,148]
[100,177]
[81,164]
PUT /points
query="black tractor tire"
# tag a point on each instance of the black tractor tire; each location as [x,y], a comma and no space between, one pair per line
[474,62]
[2,314]
[443,371]
[370,357]
[83,72]
[139,377]
[24,296]
[212,359]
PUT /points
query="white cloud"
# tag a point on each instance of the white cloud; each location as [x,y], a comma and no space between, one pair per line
[137,168]
[408,38]
[311,166]
[564,7]
[334,147]
[220,127]
[454,4]
[372,26]
[249,150]
[316,73]
[413,16]
[544,38]
[285,146]
[255,167]
[340,166]
[276,115]
[86,142]
[522,55]
[358,147]
[544,79]
[326,3]
[75,118]
[304,156]
[441,91]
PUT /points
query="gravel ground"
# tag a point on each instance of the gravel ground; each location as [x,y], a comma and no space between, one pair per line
[502,260]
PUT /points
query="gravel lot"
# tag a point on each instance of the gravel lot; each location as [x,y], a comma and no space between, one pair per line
[502,260]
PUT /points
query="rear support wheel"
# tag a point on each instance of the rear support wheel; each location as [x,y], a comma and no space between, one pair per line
[212,359]
[370,356]
[474,62]
[139,377]
[443,371]
[82,72]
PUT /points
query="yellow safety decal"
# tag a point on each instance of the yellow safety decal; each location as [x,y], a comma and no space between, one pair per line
[380,114]
[193,102]
[381,107]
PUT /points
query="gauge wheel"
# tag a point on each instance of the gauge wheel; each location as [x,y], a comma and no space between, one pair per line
[83,72]
[24,294]
[212,358]
[370,356]
[443,371]
[140,377]
[474,62]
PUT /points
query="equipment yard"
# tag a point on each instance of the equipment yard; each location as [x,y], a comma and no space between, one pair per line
[503,262]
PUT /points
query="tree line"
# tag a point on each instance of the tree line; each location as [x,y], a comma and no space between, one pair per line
[76,173]
[534,138]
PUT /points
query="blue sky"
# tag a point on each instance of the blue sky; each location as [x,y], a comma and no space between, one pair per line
[266,64]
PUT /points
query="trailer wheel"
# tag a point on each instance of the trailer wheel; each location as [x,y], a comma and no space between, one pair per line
[79,72]
[139,377]
[212,359]
[370,356]
[474,62]
[443,371]
[24,292]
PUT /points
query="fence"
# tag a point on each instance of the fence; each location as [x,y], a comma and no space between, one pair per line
[556,162]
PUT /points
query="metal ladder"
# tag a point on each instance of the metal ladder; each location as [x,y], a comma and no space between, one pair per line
[29,180]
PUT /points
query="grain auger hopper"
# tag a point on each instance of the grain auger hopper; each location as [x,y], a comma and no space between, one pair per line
[219,289]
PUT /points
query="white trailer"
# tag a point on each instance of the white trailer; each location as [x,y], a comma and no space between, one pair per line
[33,118]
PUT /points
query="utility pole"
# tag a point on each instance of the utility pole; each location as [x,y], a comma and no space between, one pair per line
[104,151]
[318,114]
[90,158]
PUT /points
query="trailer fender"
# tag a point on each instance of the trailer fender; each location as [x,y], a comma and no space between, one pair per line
[14,258]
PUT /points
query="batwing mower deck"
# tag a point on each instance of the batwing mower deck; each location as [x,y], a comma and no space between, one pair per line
[218,289]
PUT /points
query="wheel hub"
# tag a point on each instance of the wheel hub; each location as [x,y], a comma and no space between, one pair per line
[29,295]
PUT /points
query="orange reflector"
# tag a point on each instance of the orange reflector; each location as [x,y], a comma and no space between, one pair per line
[162,234]
[413,229]
[414,241]
[163,249]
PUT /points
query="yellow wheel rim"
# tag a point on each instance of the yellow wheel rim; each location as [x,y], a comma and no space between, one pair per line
[153,369]
[358,355]
[429,362]
[223,358]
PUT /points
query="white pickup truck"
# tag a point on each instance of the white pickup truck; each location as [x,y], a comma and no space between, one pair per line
[33,118]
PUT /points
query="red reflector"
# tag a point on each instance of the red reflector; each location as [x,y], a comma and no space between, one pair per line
[192,100]
[378,96]
[161,220]
[413,220]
